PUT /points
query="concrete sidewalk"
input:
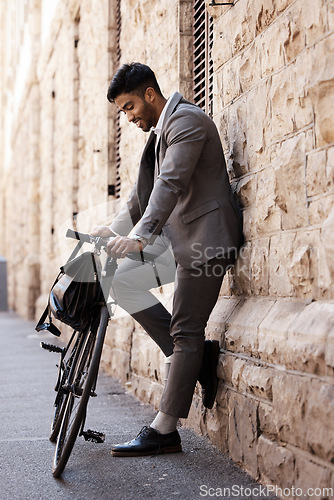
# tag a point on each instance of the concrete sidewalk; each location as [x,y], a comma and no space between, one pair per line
[27,377]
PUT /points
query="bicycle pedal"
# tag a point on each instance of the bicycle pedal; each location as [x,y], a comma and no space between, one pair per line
[50,347]
[93,436]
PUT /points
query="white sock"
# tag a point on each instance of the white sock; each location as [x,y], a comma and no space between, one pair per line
[163,423]
[168,361]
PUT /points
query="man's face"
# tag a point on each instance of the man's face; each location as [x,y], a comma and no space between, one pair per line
[138,110]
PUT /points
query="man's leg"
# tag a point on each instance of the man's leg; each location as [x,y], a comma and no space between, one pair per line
[195,296]
[131,286]
[196,293]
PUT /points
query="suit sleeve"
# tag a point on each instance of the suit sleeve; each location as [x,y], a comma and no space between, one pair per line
[185,136]
[128,216]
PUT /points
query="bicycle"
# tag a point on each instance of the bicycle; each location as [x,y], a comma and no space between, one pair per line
[79,363]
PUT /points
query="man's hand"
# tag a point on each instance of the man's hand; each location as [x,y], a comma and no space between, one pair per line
[103,231]
[121,245]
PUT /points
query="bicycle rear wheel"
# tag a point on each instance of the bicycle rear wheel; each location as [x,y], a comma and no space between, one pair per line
[79,390]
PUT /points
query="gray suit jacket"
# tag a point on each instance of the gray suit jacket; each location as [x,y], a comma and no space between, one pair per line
[190,198]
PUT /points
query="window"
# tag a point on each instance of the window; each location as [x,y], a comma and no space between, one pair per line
[202,60]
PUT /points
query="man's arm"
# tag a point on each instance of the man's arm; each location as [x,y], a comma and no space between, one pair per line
[103,231]
[185,135]
[125,220]
[128,216]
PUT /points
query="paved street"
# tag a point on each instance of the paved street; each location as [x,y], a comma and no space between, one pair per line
[27,376]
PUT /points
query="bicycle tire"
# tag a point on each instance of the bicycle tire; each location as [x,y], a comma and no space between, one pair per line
[75,414]
[61,397]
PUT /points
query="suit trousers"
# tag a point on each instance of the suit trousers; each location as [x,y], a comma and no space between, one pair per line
[181,333]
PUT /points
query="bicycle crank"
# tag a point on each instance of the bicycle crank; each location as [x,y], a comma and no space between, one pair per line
[76,391]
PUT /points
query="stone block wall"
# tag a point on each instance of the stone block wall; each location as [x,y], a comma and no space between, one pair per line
[275,316]
[273,101]
[57,159]
[272,75]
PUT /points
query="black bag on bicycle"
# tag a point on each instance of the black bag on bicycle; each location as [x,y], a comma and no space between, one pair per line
[75,294]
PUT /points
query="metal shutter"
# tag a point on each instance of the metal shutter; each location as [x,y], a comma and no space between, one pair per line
[118,128]
[202,60]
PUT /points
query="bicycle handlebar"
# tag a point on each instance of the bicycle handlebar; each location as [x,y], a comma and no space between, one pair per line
[102,242]
[86,238]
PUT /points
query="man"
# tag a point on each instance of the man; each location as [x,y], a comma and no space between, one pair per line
[182,198]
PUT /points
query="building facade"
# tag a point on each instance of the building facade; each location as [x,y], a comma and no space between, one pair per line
[264,71]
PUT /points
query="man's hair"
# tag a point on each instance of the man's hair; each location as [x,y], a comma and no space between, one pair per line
[132,78]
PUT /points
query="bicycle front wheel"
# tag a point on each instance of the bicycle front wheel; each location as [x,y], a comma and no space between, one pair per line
[64,373]
[79,391]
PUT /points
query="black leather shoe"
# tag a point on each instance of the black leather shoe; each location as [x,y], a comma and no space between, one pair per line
[149,442]
[208,374]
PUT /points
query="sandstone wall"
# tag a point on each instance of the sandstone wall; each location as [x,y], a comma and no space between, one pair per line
[273,65]
[273,102]
[60,134]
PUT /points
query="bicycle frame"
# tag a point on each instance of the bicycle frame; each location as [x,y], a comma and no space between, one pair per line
[79,361]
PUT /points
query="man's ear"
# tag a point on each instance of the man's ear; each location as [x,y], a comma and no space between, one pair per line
[149,94]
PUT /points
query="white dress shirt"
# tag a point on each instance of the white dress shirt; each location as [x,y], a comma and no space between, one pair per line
[157,129]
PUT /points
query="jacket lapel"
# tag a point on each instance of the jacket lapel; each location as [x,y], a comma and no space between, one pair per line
[146,173]
[160,151]
[147,162]
[176,98]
